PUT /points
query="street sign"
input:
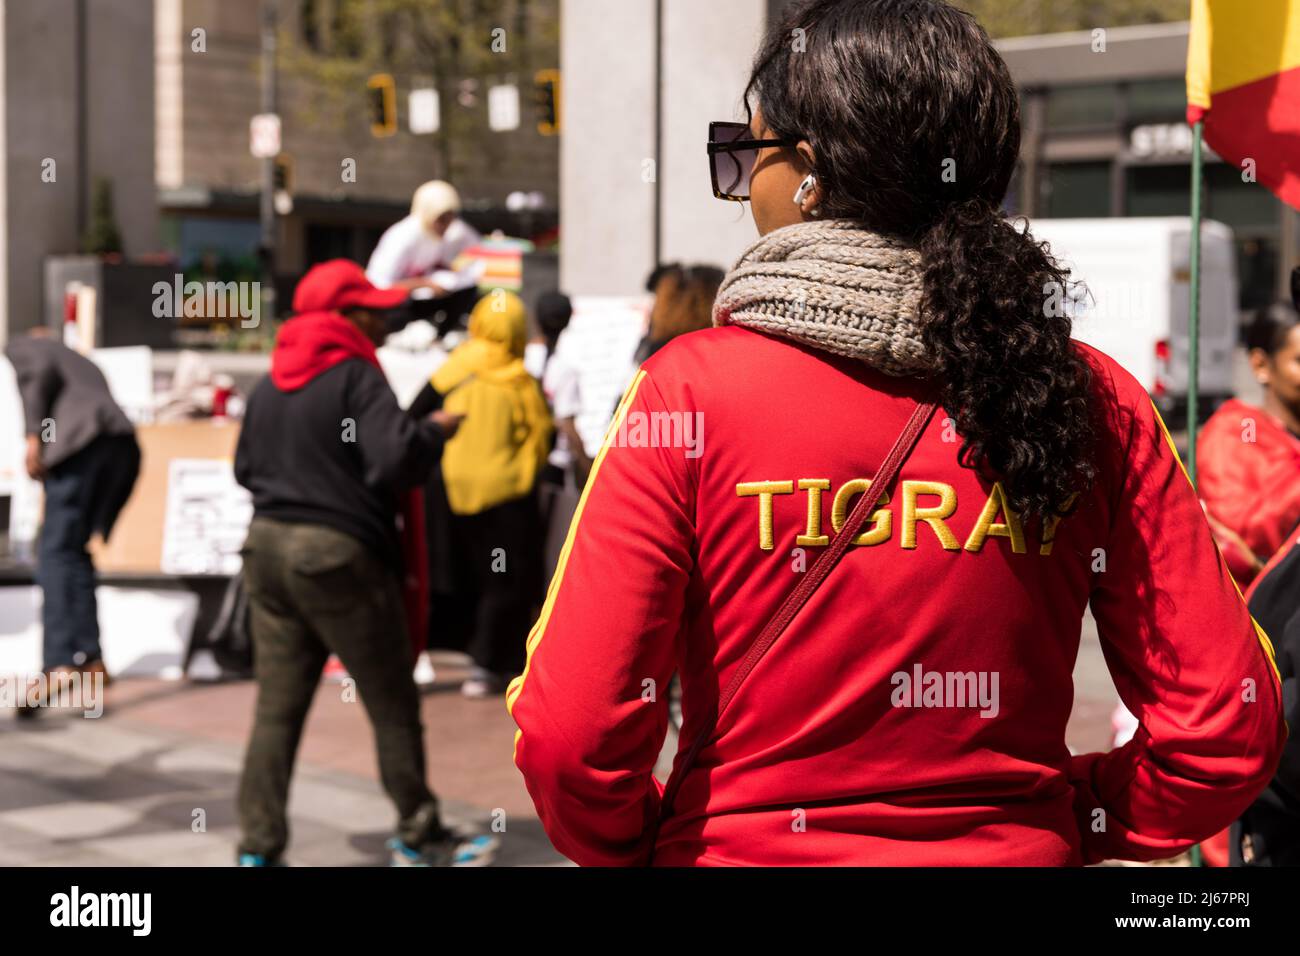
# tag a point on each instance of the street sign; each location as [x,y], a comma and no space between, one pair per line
[264,135]
[1161,139]
[422,110]
[503,108]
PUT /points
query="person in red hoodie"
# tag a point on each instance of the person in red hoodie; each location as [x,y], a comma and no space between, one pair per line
[1249,458]
[328,454]
[912,709]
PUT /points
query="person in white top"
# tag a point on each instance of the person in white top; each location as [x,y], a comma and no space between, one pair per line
[429,239]
[560,384]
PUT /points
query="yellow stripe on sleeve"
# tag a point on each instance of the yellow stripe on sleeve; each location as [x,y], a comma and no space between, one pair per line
[1264,641]
[535,636]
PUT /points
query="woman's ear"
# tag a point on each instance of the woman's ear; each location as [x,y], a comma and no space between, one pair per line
[1259,365]
[815,195]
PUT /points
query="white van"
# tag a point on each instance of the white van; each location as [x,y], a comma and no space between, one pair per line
[1138,275]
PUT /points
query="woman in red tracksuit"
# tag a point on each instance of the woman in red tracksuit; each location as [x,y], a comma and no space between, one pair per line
[1250,457]
[914,710]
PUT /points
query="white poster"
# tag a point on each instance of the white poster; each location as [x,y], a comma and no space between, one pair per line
[12,429]
[129,373]
[601,343]
[206,519]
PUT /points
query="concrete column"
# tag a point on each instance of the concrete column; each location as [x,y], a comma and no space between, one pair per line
[607,189]
[120,115]
[40,125]
[708,51]
[45,128]
[609,179]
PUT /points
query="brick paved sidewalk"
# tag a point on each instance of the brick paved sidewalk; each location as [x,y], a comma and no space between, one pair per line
[124,789]
[127,789]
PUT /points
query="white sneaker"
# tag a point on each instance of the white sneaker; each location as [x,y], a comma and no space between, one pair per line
[482,685]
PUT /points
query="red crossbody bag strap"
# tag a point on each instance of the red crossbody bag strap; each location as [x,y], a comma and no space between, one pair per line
[884,480]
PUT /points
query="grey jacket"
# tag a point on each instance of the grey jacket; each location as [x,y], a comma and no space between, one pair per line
[60,384]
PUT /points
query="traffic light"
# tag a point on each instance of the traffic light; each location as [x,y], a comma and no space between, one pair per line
[284,173]
[383,104]
[282,193]
[547,94]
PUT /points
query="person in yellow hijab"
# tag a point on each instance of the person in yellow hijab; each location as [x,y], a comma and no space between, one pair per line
[490,469]
[506,435]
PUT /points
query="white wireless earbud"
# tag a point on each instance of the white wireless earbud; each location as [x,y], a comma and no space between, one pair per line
[805,187]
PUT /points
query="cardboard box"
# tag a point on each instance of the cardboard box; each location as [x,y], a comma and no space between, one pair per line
[136,542]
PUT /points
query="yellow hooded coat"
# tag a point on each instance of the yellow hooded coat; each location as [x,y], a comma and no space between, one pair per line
[503,442]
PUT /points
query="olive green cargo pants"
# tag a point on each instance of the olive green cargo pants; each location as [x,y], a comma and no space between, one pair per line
[314,591]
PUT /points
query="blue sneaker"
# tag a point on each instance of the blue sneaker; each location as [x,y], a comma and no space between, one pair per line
[256,859]
[455,850]
[432,854]
[478,850]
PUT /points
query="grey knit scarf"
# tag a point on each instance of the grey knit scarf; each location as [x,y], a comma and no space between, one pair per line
[835,286]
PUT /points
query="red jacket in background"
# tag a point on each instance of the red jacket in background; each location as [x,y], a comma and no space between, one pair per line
[728,465]
[1248,475]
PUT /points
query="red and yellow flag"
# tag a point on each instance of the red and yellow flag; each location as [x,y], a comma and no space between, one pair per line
[1243,80]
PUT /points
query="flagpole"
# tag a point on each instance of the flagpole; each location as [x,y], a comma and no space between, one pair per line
[1194,318]
[1194,333]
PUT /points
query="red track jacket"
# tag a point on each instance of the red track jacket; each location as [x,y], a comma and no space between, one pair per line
[1249,478]
[914,712]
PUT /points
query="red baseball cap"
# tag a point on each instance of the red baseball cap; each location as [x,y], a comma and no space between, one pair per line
[341,284]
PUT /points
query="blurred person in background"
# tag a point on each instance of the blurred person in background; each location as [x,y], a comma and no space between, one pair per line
[82,447]
[568,463]
[1249,480]
[488,584]
[1268,833]
[429,239]
[327,453]
[879,288]
[683,302]
[1248,458]
[551,314]
[561,384]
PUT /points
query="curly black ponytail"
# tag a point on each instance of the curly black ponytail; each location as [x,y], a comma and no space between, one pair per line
[915,127]
[1006,367]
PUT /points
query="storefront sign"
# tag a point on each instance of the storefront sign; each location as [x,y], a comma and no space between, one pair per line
[1161,139]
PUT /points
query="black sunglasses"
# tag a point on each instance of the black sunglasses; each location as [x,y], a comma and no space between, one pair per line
[732,154]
